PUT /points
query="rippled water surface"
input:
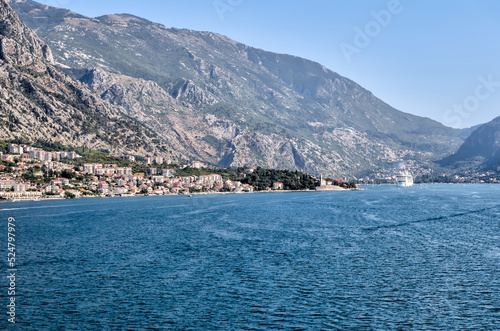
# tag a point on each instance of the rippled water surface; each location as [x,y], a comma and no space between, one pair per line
[383,258]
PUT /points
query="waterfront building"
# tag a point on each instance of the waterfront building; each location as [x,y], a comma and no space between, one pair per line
[277,186]
[21,187]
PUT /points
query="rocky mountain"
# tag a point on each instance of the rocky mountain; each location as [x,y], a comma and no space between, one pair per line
[39,101]
[224,102]
[482,146]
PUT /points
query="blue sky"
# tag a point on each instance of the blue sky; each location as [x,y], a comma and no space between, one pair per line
[438,59]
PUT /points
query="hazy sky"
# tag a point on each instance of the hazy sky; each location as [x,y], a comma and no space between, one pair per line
[439,59]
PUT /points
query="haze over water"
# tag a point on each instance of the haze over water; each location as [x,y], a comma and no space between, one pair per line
[382,258]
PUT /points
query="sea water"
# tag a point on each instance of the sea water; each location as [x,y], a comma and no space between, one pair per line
[425,257]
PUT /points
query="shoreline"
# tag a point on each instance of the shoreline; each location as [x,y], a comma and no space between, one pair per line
[48,198]
[336,189]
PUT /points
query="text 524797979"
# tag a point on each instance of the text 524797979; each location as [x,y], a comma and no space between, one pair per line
[11,261]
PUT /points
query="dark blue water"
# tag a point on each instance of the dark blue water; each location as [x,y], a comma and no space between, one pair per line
[383,258]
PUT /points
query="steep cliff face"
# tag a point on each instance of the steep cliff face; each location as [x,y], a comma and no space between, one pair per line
[193,134]
[482,145]
[38,101]
[213,138]
[19,45]
[228,103]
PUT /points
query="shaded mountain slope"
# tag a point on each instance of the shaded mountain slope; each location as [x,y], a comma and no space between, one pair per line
[482,145]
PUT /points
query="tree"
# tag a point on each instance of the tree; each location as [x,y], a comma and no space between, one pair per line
[69,195]
[67,174]
[194,190]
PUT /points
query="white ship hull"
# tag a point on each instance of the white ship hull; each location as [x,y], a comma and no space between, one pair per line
[405,184]
[404,179]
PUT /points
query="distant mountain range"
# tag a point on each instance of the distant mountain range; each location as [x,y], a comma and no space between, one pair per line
[212,98]
[482,147]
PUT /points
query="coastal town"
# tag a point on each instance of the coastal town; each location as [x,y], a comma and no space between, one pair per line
[32,173]
[59,179]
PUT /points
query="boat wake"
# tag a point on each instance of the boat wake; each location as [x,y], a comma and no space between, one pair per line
[431,219]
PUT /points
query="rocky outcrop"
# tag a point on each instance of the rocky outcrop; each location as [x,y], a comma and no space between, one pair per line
[189,94]
[38,101]
[19,45]
[136,95]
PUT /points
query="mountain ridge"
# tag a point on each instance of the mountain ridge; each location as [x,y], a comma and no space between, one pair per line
[232,104]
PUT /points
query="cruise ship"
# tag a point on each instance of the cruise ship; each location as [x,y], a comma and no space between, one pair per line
[404,179]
